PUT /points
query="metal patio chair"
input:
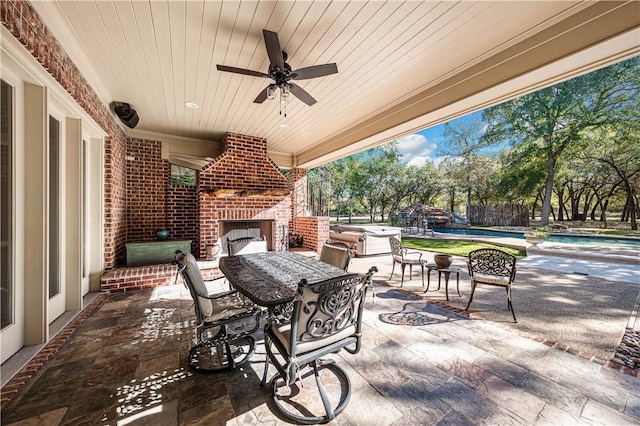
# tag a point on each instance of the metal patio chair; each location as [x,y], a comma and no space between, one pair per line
[405,257]
[492,267]
[336,254]
[327,317]
[224,323]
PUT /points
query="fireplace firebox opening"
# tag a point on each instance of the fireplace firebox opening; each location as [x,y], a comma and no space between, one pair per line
[232,229]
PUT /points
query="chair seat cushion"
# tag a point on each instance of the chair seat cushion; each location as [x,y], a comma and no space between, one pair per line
[490,279]
[407,260]
[225,307]
[283,333]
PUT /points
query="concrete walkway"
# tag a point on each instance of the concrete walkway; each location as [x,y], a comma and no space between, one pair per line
[617,271]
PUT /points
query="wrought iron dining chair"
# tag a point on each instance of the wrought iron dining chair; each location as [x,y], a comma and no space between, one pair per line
[224,322]
[336,254]
[492,267]
[405,257]
[246,245]
[327,317]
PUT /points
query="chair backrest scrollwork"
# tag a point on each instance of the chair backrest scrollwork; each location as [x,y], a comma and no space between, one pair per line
[492,262]
[329,311]
[396,249]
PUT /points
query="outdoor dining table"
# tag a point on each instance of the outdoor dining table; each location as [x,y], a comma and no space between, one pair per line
[271,278]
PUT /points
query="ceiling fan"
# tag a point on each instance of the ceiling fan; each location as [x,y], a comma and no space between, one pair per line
[282,75]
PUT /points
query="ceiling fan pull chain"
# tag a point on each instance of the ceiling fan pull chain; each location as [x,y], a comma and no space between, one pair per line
[283,102]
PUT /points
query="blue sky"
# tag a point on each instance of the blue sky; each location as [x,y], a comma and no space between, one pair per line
[420,147]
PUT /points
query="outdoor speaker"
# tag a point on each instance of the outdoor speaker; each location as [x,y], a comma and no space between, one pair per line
[127,115]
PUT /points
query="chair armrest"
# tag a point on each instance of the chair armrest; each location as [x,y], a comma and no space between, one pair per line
[412,252]
[215,296]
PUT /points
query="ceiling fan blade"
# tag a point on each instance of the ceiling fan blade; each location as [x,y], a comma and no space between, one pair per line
[262,96]
[241,71]
[302,94]
[315,71]
[273,49]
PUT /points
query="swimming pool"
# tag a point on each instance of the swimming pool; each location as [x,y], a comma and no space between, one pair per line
[631,243]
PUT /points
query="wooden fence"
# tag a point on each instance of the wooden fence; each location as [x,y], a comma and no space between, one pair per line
[500,215]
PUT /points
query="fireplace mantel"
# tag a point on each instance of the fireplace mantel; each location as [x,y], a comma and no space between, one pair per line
[256,193]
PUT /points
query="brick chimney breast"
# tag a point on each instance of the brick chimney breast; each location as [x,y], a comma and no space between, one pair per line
[242,166]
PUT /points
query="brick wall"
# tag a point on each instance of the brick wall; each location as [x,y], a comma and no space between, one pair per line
[314,230]
[27,27]
[182,215]
[147,186]
[153,202]
[115,201]
[243,164]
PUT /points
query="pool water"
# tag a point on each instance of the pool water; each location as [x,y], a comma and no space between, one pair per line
[630,243]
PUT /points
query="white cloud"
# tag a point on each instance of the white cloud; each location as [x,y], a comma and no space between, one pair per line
[416,150]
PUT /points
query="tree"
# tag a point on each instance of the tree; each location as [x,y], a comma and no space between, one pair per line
[450,171]
[423,185]
[555,118]
[465,142]
[618,147]
[379,167]
[319,190]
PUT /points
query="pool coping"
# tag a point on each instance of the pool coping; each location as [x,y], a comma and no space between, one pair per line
[608,254]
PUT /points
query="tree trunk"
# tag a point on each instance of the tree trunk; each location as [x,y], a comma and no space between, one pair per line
[548,191]
[631,205]
[468,209]
[372,209]
[561,208]
[595,207]
[588,199]
[452,199]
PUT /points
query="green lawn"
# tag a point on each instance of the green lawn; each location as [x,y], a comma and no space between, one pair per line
[456,248]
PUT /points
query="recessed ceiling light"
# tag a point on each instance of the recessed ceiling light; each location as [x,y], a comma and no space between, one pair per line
[284,126]
[191,105]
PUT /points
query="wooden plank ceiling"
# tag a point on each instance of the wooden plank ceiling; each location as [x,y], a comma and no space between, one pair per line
[156,55]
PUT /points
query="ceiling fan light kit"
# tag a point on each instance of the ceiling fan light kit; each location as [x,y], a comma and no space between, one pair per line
[282,75]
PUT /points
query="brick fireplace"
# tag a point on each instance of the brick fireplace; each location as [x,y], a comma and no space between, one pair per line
[243,189]
[240,193]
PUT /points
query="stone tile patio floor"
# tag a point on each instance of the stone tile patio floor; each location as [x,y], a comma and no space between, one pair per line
[420,364]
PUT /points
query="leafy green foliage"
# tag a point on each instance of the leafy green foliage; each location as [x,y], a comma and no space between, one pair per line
[182,176]
[546,124]
[571,149]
